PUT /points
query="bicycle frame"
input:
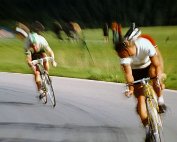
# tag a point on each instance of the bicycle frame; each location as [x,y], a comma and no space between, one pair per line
[154,119]
[45,80]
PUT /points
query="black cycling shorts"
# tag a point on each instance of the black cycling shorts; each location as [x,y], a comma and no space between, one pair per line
[140,73]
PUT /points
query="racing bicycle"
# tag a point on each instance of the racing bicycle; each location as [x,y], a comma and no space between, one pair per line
[46,83]
[154,118]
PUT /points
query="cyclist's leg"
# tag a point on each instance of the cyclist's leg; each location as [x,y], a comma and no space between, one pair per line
[152,73]
[141,105]
[40,89]
[36,72]
[139,93]
[158,90]
[142,111]
[37,79]
[160,59]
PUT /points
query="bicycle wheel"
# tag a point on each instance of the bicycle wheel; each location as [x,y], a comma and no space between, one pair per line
[43,86]
[49,90]
[156,130]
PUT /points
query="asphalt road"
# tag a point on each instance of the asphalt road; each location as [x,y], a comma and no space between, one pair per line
[86,111]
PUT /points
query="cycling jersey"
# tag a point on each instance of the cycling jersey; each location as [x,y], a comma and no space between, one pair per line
[149,38]
[144,50]
[40,44]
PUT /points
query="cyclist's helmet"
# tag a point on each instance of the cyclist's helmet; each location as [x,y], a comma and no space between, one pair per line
[32,38]
[22,29]
[132,33]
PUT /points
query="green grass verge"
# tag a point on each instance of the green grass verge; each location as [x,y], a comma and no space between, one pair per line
[74,60]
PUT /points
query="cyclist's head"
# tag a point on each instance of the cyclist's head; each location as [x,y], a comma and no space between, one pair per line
[124,48]
[123,45]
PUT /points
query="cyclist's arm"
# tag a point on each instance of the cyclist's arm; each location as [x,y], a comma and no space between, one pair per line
[128,75]
[156,63]
[50,52]
[46,47]
[160,59]
[158,73]
[44,44]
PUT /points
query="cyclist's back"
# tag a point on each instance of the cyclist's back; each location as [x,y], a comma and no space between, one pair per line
[36,44]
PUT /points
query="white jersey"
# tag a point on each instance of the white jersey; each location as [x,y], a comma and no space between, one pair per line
[40,41]
[144,50]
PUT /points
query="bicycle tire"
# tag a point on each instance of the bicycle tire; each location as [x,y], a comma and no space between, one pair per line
[161,135]
[43,86]
[156,130]
[50,90]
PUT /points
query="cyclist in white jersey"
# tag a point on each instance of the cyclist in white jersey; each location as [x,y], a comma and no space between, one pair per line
[36,47]
[139,59]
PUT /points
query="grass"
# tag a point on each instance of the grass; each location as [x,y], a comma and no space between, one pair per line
[74,60]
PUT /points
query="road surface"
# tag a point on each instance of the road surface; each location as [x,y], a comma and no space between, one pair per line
[86,111]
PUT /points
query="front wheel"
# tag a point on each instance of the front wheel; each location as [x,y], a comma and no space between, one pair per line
[43,97]
[49,90]
[156,129]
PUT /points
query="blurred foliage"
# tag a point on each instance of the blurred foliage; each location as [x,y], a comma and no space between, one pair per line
[89,13]
[74,60]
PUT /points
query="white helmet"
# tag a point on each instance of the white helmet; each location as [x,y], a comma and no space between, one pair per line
[21,31]
[132,33]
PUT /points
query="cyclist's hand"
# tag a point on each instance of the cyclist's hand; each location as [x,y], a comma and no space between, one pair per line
[128,93]
[163,77]
[54,63]
[160,82]
[31,65]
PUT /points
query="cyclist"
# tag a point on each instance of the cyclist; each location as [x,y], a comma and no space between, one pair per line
[140,59]
[36,47]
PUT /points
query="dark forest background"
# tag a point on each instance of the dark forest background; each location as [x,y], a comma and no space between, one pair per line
[90,13]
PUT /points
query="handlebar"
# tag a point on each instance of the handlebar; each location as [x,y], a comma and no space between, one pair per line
[144,81]
[40,61]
